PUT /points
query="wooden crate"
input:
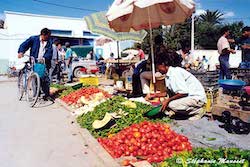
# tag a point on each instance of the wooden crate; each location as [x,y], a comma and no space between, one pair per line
[223,105]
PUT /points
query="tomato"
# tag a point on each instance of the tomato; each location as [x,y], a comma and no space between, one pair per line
[160,152]
[135,129]
[125,162]
[143,139]
[184,138]
[150,159]
[137,134]
[139,152]
[127,153]
[133,141]
[148,135]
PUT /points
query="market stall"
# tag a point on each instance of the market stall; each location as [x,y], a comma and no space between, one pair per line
[131,138]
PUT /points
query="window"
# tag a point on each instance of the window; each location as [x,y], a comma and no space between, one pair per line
[61,32]
[87,33]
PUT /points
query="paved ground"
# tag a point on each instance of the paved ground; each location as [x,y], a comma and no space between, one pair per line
[41,137]
[201,132]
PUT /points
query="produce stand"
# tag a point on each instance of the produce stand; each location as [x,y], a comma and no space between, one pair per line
[129,127]
[231,104]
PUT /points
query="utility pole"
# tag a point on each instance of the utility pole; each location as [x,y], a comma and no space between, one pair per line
[192,33]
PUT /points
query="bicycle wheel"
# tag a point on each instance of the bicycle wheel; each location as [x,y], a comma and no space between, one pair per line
[20,85]
[33,89]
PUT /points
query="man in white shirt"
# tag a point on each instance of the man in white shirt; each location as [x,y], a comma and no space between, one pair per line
[224,51]
[188,95]
[185,56]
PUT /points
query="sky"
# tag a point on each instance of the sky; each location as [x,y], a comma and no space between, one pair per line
[234,10]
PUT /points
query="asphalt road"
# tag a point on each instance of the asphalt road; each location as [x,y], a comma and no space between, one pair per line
[44,136]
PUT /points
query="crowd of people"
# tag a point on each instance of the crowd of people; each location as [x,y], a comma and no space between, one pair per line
[185,93]
[50,53]
[225,50]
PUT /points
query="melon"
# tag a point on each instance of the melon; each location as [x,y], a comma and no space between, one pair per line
[97,124]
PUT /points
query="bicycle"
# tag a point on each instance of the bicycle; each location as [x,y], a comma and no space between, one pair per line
[28,81]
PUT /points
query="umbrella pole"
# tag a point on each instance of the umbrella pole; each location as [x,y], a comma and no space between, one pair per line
[151,46]
[118,53]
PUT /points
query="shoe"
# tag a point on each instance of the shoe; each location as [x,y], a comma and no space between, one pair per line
[69,81]
[48,98]
[198,116]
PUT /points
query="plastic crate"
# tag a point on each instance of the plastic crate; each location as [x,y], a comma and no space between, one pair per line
[89,80]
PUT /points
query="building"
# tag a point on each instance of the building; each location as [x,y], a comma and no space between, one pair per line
[19,26]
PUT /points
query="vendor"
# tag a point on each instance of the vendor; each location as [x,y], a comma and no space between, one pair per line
[188,95]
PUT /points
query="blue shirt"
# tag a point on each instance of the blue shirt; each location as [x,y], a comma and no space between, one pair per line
[245,52]
[33,43]
[68,53]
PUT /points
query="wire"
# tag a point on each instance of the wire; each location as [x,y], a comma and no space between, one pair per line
[71,7]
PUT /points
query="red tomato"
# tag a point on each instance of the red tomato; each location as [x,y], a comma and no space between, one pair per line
[125,162]
[137,134]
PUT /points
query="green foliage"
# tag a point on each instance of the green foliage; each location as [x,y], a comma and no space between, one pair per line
[207,32]
[215,156]
[110,106]
[211,17]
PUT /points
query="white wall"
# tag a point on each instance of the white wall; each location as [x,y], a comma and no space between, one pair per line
[20,26]
[213,57]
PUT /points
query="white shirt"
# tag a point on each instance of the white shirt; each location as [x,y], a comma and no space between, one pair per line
[88,57]
[42,49]
[181,81]
[187,59]
[222,44]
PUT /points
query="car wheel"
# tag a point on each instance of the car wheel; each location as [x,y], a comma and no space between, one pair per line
[78,72]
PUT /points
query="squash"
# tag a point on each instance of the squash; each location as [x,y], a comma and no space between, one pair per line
[97,124]
[129,104]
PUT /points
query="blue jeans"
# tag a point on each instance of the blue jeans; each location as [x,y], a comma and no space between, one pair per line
[224,67]
[70,72]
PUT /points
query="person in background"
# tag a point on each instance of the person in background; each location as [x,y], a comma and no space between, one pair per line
[205,63]
[140,54]
[68,62]
[40,48]
[224,51]
[101,64]
[147,76]
[244,43]
[110,68]
[185,57]
[186,94]
[56,61]
[90,55]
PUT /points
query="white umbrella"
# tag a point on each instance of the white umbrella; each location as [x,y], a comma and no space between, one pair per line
[131,51]
[125,15]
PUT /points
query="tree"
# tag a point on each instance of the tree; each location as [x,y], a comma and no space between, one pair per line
[211,17]
[208,29]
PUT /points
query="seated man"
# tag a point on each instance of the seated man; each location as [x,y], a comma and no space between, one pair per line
[188,93]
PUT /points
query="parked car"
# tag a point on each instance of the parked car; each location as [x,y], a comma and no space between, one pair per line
[81,66]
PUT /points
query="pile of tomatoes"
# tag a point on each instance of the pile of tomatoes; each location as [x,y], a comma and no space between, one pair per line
[72,98]
[151,141]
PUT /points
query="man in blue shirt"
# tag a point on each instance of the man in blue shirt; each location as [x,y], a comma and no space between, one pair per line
[245,44]
[40,48]
[68,60]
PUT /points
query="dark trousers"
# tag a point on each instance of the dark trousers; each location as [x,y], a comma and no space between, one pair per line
[136,84]
[45,84]
[224,67]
